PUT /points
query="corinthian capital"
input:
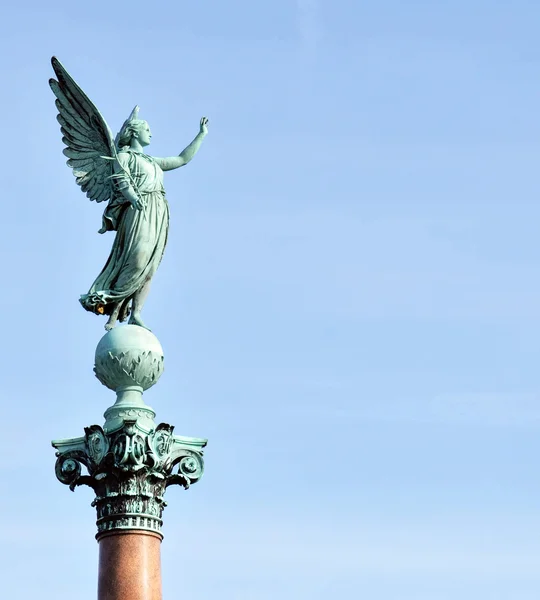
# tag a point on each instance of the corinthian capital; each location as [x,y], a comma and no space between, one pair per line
[129,470]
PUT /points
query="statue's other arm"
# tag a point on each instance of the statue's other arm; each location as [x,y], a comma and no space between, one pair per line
[173,162]
[125,183]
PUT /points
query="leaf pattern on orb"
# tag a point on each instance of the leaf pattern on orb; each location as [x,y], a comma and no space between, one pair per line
[87,136]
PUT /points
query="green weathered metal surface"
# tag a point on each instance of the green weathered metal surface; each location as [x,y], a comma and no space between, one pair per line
[129,360]
[118,171]
[129,471]
[130,461]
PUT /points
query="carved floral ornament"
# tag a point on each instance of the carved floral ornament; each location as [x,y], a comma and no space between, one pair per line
[129,368]
[129,470]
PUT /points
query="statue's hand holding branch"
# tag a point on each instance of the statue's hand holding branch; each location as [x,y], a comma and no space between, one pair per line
[137,203]
[134,199]
[129,192]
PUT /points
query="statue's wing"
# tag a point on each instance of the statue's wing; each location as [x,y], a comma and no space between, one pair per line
[87,136]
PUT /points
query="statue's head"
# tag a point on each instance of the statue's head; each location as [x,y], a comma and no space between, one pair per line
[134,128]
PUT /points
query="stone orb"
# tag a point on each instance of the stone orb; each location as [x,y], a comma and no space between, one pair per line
[128,355]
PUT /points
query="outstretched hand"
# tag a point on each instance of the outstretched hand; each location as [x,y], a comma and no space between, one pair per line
[204,126]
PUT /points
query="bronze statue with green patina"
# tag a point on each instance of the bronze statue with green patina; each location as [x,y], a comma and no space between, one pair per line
[119,172]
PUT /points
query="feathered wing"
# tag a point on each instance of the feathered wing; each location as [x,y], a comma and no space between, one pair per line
[86,135]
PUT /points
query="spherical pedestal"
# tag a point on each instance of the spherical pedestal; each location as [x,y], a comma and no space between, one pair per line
[129,355]
[129,360]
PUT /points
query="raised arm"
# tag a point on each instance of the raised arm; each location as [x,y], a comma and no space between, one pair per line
[173,162]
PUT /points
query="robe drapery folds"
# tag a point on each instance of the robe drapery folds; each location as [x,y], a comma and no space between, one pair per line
[141,235]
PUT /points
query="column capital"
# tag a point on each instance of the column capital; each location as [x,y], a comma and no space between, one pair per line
[129,470]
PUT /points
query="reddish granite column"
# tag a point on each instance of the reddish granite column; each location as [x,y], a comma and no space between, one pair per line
[129,566]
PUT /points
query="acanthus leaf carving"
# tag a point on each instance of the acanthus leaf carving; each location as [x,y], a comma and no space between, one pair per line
[129,368]
[129,471]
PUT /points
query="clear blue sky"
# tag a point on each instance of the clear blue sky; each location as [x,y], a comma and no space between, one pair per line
[349,302]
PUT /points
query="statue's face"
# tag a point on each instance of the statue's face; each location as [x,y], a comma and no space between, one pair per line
[145,134]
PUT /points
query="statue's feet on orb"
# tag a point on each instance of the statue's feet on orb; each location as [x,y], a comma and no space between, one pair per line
[112,321]
[135,319]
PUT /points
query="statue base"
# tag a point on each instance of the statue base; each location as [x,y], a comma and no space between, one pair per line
[130,461]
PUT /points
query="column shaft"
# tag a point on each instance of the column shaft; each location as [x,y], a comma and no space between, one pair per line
[129,566]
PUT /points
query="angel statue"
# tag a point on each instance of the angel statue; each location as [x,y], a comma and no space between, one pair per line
[119,172]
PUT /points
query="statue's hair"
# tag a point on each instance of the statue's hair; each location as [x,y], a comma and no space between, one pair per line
[128,129]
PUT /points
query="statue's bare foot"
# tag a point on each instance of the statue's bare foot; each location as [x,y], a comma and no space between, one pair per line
[135,319]
[113,317]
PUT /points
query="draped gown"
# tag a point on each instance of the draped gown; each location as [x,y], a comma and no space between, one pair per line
[141,235]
